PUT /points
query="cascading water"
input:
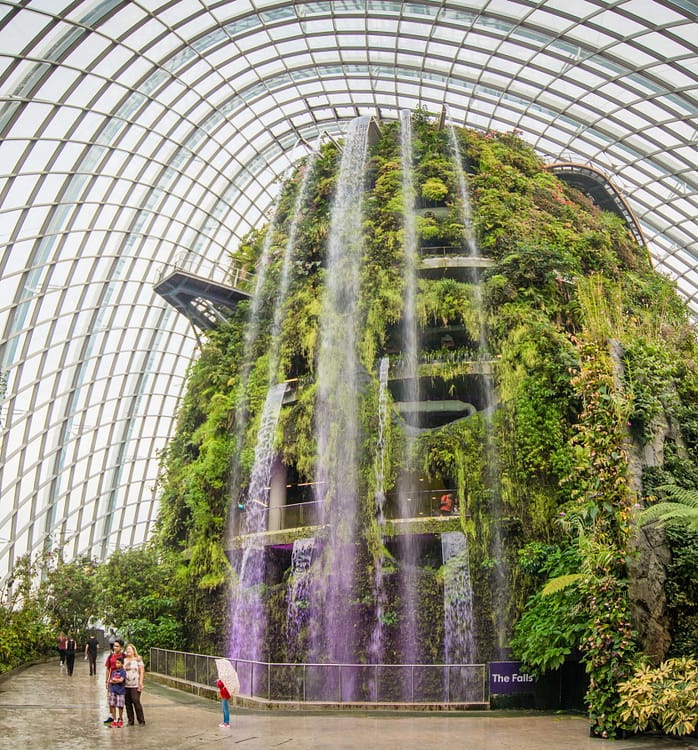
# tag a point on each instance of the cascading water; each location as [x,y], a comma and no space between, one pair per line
[491,453]
[297,604]
[407,484]
[459,626]
[471,245]
[337,489]
[464,195]
[376,646]
[246,607]
[411,251]
[247,611]
[459,641]
[251,333]
[284,283]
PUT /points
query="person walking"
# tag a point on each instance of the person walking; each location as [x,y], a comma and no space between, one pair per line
[70,647]
[61,648]
[91,652]
[135,671]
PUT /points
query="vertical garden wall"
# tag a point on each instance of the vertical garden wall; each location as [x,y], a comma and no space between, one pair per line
[573,365]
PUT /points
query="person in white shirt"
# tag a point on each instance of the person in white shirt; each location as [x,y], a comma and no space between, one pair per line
[135,671]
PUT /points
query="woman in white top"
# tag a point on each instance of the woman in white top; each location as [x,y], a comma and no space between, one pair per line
[135,669]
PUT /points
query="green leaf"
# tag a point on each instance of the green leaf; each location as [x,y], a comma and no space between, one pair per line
[560,583]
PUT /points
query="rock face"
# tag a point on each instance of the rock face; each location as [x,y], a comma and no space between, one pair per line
[647,577]
[649,553]
[650,556]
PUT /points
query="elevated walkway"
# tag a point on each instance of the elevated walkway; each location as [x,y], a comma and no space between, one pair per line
[439,258]
[203,297]
[286,523]
[597,185]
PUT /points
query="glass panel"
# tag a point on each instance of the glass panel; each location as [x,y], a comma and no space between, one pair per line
[179,145]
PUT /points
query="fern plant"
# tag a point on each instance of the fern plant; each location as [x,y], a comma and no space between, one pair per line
[680,505]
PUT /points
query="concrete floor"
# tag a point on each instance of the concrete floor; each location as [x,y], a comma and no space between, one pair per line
[41,707]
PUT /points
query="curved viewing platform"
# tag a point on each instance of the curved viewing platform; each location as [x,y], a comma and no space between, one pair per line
[423,517]
[453,261]
[430,366]
[594,182]
[449,260]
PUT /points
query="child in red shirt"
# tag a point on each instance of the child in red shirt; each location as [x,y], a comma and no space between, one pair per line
[109,665]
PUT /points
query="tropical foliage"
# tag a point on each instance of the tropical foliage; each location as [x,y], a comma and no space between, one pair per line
[133,594]
[24,632]
[662,698]
[593,359]
[680,505]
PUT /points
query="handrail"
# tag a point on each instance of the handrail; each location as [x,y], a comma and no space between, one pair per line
[333,683]
[426,504]
[235,275]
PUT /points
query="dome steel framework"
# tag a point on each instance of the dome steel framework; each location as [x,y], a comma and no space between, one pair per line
[137,133]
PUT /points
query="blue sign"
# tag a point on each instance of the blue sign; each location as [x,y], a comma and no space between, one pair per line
[507,678]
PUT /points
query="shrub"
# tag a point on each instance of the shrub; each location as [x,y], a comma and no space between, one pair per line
[663,697]
[434,189]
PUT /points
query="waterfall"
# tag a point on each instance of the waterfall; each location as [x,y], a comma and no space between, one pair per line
[260,478]
[289,253]
[464,195]
[337,427]
[376,646]
[501,584]
[247,610]
[459,641]
[407,482]
[297,598]
[411,250]
[251,333]
[380,438]
[246,606]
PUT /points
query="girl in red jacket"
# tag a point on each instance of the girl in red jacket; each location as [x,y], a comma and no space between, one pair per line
[225,697]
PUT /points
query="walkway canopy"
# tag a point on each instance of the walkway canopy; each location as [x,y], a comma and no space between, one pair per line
[132,132]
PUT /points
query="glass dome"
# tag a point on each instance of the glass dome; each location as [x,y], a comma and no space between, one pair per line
[137,136]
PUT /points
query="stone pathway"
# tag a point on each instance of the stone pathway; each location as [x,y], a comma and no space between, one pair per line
[41,707]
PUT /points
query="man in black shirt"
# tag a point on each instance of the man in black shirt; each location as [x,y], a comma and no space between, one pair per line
[91,652]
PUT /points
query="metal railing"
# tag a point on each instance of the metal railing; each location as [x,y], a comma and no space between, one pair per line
[293,516]
[443,250]
[334,683]
[422,504]
[234,275]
